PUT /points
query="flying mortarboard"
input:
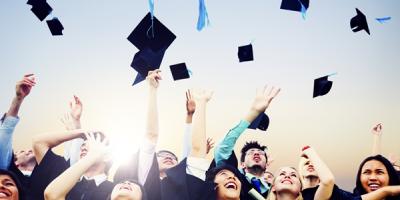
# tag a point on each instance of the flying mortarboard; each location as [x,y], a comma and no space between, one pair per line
[359,22]
[383,19]
[322,86]
[245,53]
[146,60]
[151,34]
[179,71]
[40,8]
[295,5]
[55,26]
[261,122]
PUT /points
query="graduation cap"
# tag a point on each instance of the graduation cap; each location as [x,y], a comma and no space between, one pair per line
[359,22]
[245,53]
[40,8]
[322,86]
[295,5]
[151,33]
[179,71]
[55,26]
[261,122]
[146,60]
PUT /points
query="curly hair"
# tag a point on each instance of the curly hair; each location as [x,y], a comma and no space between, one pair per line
[252,145]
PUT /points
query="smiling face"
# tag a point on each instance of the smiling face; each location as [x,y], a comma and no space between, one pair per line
[287,180]
[255,157]
[228,185]
[374,175]
[8,188]
[126,191]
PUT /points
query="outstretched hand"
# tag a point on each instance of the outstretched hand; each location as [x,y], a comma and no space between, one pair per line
[97,144]
[210,144]
[264,97]
[201,95]
[24,86]
[153,78]
[75,108]
[377,129]
[190,103]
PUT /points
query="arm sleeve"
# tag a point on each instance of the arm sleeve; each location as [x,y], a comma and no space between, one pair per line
[225,147]
[7,126]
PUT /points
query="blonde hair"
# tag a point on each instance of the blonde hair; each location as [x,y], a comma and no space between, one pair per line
[272,196]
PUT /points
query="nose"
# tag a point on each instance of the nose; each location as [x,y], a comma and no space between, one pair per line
[372,177]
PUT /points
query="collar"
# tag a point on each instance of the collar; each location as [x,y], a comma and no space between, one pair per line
[98,179]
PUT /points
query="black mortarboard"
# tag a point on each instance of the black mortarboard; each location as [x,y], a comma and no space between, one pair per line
[321,86]
[146,60]
[261,122]
[55,26]
[40,8]
[179,71]
[294,5]
[245,53]
[151,35]
[359,22]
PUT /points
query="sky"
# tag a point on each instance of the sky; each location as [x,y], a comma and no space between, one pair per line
[92,60]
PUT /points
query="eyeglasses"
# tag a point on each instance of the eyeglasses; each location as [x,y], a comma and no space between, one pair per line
[253,151]
[166,155]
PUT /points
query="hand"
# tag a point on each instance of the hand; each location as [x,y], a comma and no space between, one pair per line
[210,144]
[393,159]
[97,144]
[76,109]
[153,78]
[201,95]
[264,98]
[190,103]
[306,151]
[67,121]
[377,129]
[24,86]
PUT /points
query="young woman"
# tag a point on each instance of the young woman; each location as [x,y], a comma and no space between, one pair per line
[10,187]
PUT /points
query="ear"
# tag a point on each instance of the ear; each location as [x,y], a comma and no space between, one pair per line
[273,189]
[242,165]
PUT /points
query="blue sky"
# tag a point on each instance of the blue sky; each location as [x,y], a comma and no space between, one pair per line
[92,61]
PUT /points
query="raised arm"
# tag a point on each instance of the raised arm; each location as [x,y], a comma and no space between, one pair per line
[43,142]
[261,102]
[72,120]
[377,134]
[152,110]
[199,143]
[59,187]
[187,135]
[10,119]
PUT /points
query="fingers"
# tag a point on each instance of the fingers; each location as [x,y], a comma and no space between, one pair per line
[28,75]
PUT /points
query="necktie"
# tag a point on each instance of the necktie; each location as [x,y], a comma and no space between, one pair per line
[256,183]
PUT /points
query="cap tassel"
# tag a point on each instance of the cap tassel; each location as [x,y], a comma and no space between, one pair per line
[203,15]
[303,10]
[151,6]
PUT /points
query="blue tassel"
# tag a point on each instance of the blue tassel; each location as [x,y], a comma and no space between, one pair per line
[151,6]
[303,10]
[203,15]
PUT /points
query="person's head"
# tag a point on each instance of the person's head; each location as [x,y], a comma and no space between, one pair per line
[24,157]
[166,160]
[226,179]
[253,155]
[128,190]
[10,187]
[287,182]
[307,170]
[375,172]
[268,177]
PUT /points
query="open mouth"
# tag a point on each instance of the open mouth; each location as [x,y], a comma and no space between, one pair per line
[374,186]
[231,185]
[4,194]
[287,181]
[125,187]
[256,158]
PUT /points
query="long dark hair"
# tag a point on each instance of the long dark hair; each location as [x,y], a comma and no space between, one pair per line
[393,178]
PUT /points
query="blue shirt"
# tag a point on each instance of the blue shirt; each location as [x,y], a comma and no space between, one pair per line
[7,126]
[225,147]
